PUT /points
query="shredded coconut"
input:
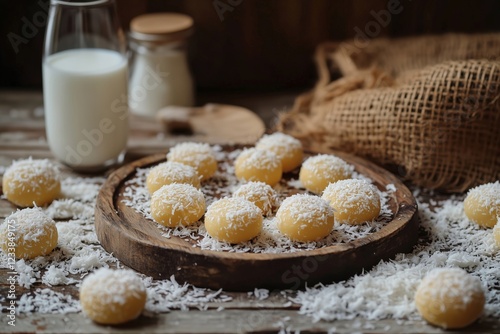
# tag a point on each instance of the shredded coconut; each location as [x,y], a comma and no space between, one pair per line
[487,195]
[47,301]
[352,199]
[287,148]
[21,169]
[174,198]
[444,284]
[259,193]
[306,208]
[280,139]
[260,294]
[39,174]
[237,211]
[224,184]
[30,224]
[195,153]
[447,239]
[112,286]
[252,158]
[171,172]
[26,274]
[326,165]
[165,295]
[79,253]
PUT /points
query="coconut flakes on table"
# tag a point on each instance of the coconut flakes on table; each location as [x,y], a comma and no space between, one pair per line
[81,189]
[168,294]
[270,240]
[69,208]
[78,253]
[386,291]
[448,239]
[47,301]
[261,294]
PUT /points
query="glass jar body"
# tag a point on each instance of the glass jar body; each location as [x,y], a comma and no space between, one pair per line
[159,77]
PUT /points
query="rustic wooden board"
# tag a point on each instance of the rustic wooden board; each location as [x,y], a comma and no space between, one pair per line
[228,321]
[138,243]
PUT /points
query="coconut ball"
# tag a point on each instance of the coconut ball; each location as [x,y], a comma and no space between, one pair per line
[482,204]
[197,155]
[319,171]
[258,165]
[288,149]
[28,233]
[233,220]
[177,204]
[450,298]
[353,201]
[305,218]
[112,297]
[260,194]
[30,182]
[171,172]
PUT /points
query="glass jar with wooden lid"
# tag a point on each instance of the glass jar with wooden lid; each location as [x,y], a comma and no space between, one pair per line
[159,71]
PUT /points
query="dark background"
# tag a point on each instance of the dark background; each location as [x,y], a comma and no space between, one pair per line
[259,44]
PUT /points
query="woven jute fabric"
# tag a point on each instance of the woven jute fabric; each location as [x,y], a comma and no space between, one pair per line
[427,106]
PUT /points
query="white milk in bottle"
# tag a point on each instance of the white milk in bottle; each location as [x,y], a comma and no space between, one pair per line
[85,97]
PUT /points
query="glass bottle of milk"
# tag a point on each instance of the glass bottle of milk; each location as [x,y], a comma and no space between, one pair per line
[160,73]
[85,81]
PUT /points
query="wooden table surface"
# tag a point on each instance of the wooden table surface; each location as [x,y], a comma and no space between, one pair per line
[22,135]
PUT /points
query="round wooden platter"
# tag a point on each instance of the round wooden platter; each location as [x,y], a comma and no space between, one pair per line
[138,243]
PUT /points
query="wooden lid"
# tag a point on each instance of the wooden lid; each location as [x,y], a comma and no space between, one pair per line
[161,27]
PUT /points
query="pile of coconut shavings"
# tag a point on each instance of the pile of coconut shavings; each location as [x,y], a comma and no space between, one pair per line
[47,301]
[270,240]
[447,239]
[78,253]
[165,295]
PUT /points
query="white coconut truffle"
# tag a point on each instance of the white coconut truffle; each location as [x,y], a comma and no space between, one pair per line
[319,171]
[287,148]
[353,201]
[482,204]
[30,182]
[112,297]
[233,220]
[258,165]
[171,172]
[28,233]
[200,156]
[260,194]
[450,298]
[305,218]
[177,204]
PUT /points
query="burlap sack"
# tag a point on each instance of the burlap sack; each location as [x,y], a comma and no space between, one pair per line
[429,106]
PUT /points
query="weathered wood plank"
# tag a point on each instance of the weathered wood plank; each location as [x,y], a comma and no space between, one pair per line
[239,300]
[225,321]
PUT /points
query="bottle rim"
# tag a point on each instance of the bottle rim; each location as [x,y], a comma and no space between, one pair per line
[81,3]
